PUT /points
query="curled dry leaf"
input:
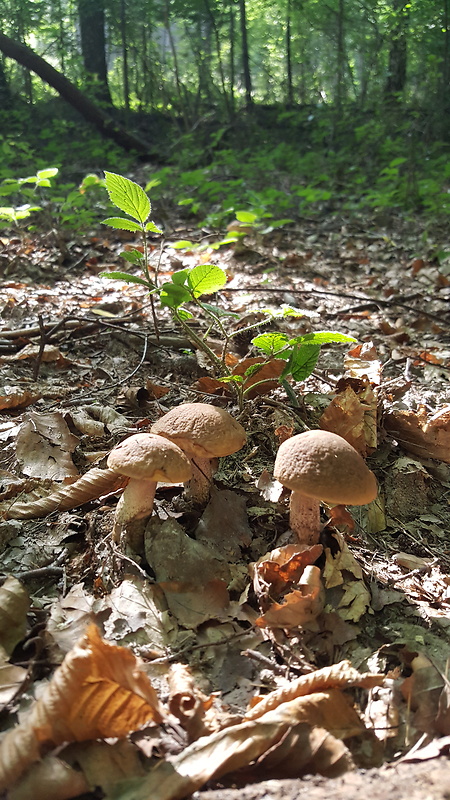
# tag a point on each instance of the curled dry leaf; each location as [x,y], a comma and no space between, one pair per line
[14,605]
[97,692]
[338,676]
[286,574]
[236,747]
[93,484]
[187,702]
[300,607]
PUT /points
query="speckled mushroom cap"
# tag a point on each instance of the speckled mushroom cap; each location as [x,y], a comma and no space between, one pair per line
[325,466]
[202,430]
[146,456]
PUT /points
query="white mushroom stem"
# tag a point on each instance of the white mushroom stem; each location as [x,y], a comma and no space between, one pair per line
[136,503]
[198,489]
[304,518]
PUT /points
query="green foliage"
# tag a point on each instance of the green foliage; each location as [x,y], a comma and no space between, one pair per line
[20,187]
[191,284]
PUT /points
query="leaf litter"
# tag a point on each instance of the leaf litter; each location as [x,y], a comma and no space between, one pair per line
[210,652]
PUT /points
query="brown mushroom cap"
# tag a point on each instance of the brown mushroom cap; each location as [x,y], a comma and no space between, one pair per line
[201,430]
[325,466]
[146,456]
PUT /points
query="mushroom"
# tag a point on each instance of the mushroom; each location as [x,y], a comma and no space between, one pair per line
[318,465]
[204,433]
[145,459]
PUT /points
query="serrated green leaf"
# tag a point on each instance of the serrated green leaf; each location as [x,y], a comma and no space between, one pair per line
[133,256]
[173,295]
[128,196]
[246,216]
[122,223]
[152,228]
[125,276]
[180,276]
[302,361]
[271,343]
[206,279]
[323,337]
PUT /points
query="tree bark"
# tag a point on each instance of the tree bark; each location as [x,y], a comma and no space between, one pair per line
[396,77]
[245,57]
[103,122]
[290,87]
[91,16]
[5,93]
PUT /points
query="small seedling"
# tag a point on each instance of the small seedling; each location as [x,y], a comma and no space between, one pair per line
[191,284]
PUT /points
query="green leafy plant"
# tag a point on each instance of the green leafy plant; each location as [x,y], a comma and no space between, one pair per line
[24,188]
[192,284]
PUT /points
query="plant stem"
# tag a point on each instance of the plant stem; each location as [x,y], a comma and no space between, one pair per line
[201,344]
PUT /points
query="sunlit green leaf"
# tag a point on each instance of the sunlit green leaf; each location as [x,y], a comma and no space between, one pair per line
[271,343]
[302,361]
[128,196]
[122,223]
[124,276]
[183,313]
[47,173]
[183,244]
[323,337]
[152,228]
[246,216]
[206,279]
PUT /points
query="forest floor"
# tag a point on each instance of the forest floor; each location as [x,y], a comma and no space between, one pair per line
[81,370]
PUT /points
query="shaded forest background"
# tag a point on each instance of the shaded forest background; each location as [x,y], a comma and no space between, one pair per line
[284,107]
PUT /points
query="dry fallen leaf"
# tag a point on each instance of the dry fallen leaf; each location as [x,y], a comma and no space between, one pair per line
[300,607]
[416,432]
[339,676]
[44,445]
[186,702]
[14,605]
[237,746]
[353,414]
[12,397]
[98,691]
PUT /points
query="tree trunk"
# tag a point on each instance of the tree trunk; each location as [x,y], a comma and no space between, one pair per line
[103,122]
[123,36]
[91,16]
[446,57]
[340,61]
[219,58]
[290,88]
[232,62]
[5,93]
[245,57]
[396,77]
